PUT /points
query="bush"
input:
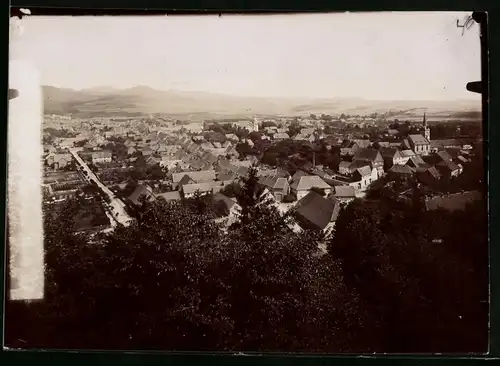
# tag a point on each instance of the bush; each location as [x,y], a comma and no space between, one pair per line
[289,198]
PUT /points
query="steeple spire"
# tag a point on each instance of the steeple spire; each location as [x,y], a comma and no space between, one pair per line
[427,130]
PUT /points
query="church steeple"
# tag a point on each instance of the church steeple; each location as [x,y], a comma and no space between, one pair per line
[427,130]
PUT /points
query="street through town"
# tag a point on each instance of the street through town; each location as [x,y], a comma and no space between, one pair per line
[115,205]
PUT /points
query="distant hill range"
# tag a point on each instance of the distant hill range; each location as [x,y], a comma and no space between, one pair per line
[141,100]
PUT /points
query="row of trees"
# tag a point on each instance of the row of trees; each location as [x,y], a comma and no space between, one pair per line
[173,280]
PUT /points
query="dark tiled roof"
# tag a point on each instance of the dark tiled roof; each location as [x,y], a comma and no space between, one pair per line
[363,143]
[384,144]
[200,176]
[364,171]
[359,164]
[282,173]
[401,169]
[225,175]
[418,139]
[307,182]
[345,164]
[316,212]
[282,136]
[273,182]
[406,144]
[415,161]
[185,180]
[367,154]
[345,192]
[448,164]
[388,152]
[453,152]
[444,155]
[298,174]
[434,172]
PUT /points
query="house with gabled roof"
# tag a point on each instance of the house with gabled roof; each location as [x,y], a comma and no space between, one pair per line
[362,143]
[146,151]
[444,155]
[99,157]
[344,194]
[129,143]
[416,161]
[402,171]
[344,167]
[207,145]
[198,176]
[281,136]
[448,168]
[152,160]
[189,190]
[407,154]
[198,138]
[58,160]
[307,131]
[349,167]
[392,156]
[419,144]
[297,175]
[169,161]
[227,176]
[371,156]
[278,186]
[304,184]
[314,212]
[49,149]
[301,137]
[428,175]
[364,176]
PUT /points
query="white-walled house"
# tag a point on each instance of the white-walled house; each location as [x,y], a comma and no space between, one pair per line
[303,185]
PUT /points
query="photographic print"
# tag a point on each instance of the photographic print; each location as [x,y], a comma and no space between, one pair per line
[299,183]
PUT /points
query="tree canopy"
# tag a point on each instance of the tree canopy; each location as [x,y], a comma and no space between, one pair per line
[413,273]
[175,280]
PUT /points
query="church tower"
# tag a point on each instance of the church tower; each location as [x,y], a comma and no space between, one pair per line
[427,130]
[255,124]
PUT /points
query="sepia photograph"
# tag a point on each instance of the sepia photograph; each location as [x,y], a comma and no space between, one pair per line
[284,183]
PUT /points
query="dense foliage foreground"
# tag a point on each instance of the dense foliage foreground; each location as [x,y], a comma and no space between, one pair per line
[395,279]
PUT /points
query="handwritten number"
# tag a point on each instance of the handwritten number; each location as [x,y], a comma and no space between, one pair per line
[467,24]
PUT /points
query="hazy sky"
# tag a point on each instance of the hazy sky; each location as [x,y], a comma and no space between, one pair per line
[368,55]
